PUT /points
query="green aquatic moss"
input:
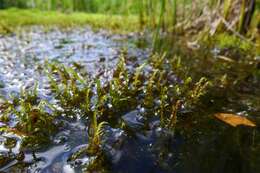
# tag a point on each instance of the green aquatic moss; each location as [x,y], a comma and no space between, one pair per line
[35,125]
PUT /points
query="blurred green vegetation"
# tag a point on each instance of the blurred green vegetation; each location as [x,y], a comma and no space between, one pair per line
[11,19]
[113,6]
[191,19]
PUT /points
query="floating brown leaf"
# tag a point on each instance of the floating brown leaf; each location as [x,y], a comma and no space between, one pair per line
[234,120]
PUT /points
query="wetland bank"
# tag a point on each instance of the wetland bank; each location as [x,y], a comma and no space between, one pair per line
[129,86]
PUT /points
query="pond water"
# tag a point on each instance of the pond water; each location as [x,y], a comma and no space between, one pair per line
[198,144]
[23,54]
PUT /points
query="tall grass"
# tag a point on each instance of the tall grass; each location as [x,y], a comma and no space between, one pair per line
[162,12]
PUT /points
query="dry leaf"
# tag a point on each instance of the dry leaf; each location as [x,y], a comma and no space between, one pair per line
[234,120]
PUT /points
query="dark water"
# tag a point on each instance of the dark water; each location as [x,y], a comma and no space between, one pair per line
[199,143]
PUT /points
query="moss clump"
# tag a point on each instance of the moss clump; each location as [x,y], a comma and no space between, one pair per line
[226,41]
[35,124]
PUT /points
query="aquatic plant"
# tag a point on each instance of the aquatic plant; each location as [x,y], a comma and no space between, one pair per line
[95,133]
[138,77]
[69,86]
[173,117]
[163,104]
[159,88]
[35,118]
[198,90]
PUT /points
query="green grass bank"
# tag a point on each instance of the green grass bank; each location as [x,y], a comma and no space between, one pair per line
[12,19]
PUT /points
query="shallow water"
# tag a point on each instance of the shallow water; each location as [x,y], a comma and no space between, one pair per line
[23,54]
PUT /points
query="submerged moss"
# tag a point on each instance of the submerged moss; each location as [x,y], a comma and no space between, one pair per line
[153,86]
[35,123]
